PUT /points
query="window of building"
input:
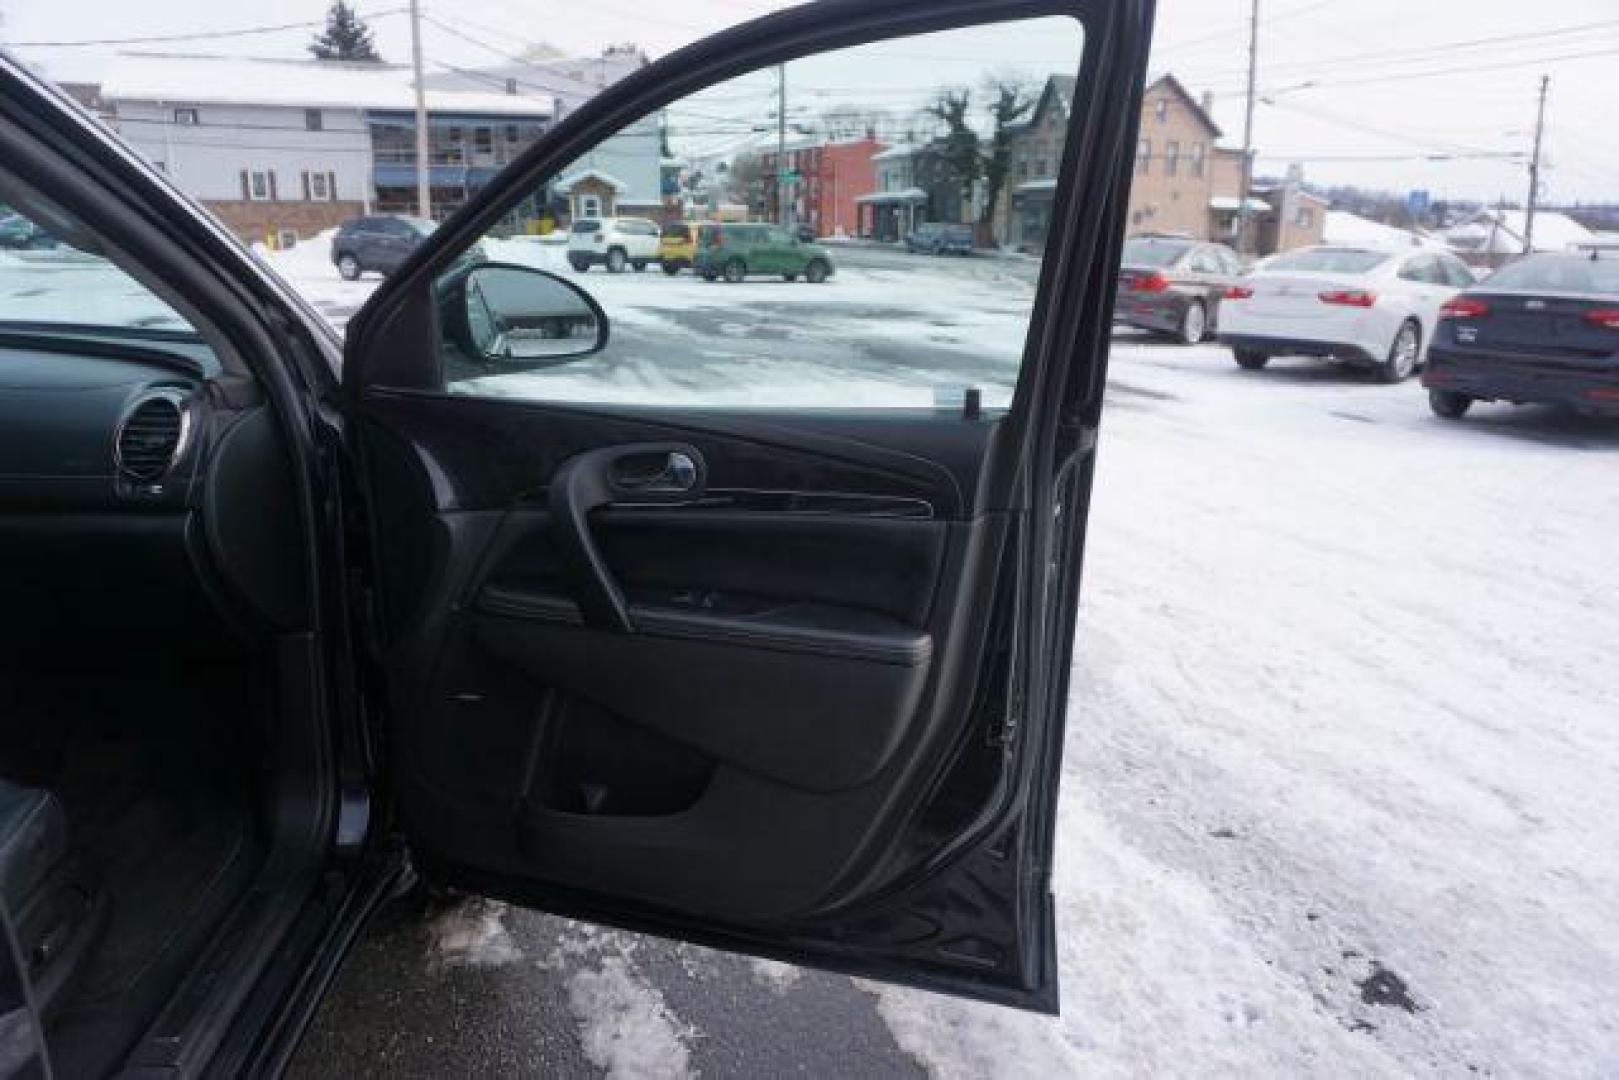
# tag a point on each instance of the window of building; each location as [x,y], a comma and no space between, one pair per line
[186,118]
[483,141]
[320,186]
[511,133]
[260,185]
[1160,110]
[1200,155]
[313,120]
[1172,157]
[286,238]
[1304,217]
[1144,156]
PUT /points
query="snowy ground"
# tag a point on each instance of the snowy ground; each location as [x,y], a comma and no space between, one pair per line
[1341,779]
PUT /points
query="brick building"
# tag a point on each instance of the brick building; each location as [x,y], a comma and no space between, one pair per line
[831,177]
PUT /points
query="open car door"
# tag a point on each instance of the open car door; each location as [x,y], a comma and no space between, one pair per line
[737,606]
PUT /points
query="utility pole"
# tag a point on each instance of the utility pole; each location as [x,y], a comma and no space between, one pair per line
[1534,171]
[424,180]
[1243,231]
[781,145]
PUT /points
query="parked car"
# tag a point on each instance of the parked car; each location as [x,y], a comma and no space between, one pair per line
[1173,285]
[378,242]
[613,242]
[301,621]
[676,246]
[1544,329]
[940,238]
[1368,307]
[736,250]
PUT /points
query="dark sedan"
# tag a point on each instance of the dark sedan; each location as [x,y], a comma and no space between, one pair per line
[1173,285]
[1545,330]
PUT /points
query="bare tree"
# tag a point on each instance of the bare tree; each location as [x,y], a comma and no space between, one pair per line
[958,147]
[1011,99]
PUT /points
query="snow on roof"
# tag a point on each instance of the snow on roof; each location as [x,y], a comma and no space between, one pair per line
[1351,230]
[1037,185]
[232,80]
[903,150]
[1553,231]
[566,183]
[1231,202]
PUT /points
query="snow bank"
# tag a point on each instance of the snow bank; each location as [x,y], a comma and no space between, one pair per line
[1351,230]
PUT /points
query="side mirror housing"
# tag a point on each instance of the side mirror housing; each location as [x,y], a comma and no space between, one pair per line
[505,315]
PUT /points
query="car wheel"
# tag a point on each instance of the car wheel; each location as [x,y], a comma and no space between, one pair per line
[579,265]
[616,261]
[1194,323]
[1449,404]
[735,271]
[817,272]
[1250,359]
[789,277]
[1402,358]
[709,275]
[349,267]
[671,268]
[639,264]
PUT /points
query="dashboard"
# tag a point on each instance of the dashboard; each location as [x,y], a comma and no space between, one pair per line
[145,501]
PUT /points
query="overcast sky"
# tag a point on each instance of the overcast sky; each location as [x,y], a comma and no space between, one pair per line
[1393,79]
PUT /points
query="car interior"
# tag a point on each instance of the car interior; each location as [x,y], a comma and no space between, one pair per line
[153,770]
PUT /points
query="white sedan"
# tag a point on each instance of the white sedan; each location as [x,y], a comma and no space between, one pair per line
[1374,308]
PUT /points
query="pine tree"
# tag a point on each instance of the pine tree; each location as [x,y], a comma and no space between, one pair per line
[346,37]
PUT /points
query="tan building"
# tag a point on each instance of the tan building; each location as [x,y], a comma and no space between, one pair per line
[1183,183]
[1293,217]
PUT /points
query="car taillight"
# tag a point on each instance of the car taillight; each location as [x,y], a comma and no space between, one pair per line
[1607,318]
[1349,297]
[1463,307]
[1153,282]
[1238,292]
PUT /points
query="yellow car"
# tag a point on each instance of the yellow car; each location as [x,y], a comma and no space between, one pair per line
[676,247]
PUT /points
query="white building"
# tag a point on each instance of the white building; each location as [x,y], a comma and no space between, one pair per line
[281,149]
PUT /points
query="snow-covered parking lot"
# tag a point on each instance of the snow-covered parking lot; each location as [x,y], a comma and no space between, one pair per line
[1342,769]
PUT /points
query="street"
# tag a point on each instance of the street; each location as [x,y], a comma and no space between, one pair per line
[1340,766]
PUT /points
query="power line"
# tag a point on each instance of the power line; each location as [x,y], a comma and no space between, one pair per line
[1384,57]
[203,35]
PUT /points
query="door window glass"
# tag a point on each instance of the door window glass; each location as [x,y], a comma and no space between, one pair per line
[855,318]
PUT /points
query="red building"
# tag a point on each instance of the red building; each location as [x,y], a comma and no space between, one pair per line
[830,176]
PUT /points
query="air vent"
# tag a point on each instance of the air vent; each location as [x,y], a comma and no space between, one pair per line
[152,436]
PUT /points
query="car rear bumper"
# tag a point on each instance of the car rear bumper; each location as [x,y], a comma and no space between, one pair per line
[1592,388]
[1150,311]
[1292,346]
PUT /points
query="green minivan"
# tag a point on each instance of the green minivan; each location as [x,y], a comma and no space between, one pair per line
[734,250]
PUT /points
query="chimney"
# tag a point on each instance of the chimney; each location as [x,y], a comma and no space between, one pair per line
[1208,102]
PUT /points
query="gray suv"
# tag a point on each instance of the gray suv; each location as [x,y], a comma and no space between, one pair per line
[377,242]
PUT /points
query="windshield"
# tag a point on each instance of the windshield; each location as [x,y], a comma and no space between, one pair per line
[424,226]
[44,279]
[1560,273]
[1153,252]
[1329,261]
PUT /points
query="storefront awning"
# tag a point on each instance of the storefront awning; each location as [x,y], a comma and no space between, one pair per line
[909,195]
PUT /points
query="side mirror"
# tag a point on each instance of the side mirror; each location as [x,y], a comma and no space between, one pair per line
[502,314]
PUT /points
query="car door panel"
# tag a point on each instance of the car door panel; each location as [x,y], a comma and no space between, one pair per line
[810,706]
[858,538]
